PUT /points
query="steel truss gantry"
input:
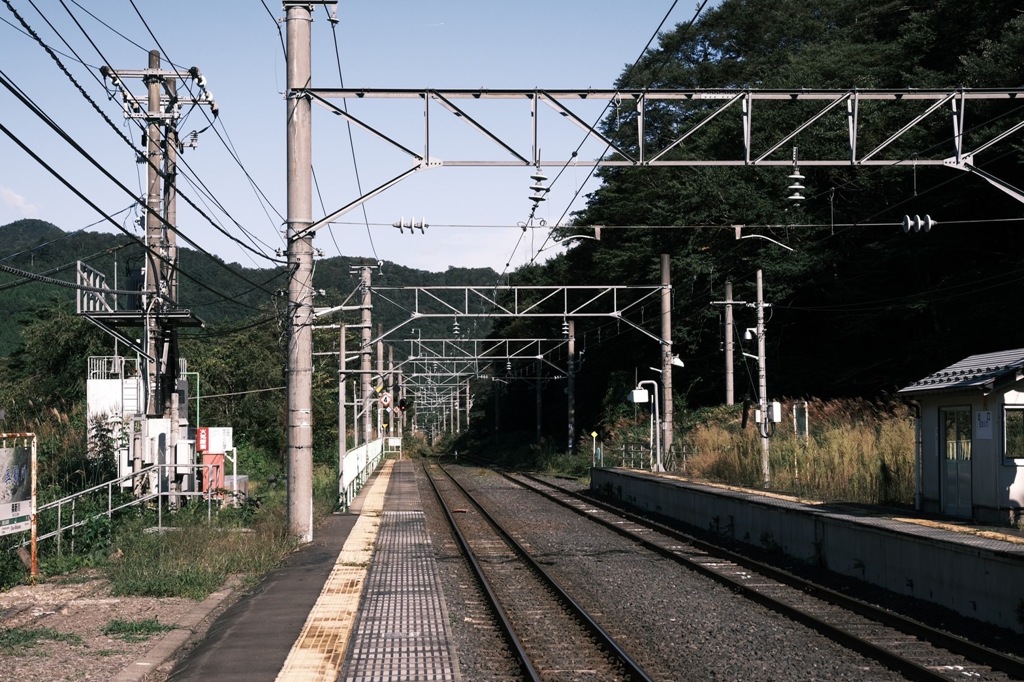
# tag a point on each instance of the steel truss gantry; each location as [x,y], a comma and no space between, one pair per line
[431,358]
[507,301]
[872,121]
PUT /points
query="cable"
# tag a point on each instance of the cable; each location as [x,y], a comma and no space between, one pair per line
[67,73]
[96,208]
[32,107]
[105,24]
[229,147]
[629,70]
[38,111]
[351,142]
[66,235]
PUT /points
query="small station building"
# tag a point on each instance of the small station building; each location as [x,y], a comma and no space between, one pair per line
[970,438]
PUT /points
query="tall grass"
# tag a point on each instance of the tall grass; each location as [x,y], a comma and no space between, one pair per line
[195,558]
[856,451]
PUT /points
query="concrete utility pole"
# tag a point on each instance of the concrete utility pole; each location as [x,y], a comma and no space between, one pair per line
[666,355]
[392,410]
[764,424]
[154,238]
[571,388]
[383,381]
[171,196]
[365,357]
[342,408]
[300,282]
[537,389]
[729,335]
[730,396]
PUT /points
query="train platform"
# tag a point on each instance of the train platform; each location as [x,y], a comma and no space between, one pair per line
[970,569]
[362,602]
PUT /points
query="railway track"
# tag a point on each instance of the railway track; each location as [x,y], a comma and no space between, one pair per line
[913,649]
[552,636]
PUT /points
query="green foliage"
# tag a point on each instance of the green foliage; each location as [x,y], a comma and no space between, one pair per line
[19,641]
[849,299]
[138,630]
[192,558]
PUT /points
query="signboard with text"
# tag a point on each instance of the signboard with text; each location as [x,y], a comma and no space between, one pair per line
[214,439]
[15,487]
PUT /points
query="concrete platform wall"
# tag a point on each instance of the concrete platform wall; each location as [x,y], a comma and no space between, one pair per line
[974,576]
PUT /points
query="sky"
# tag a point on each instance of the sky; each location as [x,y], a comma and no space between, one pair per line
[237,172]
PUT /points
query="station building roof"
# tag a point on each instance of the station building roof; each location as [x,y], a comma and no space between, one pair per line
[982,372]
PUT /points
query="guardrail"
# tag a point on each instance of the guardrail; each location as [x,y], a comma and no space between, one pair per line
[630,454]
[67,507]
[356,467]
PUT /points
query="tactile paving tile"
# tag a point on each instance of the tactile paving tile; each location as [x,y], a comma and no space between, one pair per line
[320,649]
[402,631]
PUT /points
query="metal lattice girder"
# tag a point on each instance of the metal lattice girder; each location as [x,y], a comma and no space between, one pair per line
[841,110]
[520,301]
[871,122]
[482,349]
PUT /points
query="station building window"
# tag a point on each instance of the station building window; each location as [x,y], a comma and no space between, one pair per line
[1013,423]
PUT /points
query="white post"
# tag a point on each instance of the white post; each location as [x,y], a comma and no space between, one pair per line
[656,417]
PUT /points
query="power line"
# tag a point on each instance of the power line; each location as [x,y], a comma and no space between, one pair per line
[229,147]
[96,208]
[629,70]
[27,102]
[351,142]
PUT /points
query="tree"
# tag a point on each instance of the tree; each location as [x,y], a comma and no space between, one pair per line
[857,310]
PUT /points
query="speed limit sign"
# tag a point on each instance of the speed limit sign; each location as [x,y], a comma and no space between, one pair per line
[385,399]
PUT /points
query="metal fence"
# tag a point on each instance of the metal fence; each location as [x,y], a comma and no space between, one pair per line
[106,498]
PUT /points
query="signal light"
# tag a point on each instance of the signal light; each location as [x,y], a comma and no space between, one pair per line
[402,405]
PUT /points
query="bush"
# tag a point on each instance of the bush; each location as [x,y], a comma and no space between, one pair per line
[856,451]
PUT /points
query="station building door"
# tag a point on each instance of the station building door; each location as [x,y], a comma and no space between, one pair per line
[955,423]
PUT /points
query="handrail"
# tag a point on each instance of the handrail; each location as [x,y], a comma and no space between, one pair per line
[109,488]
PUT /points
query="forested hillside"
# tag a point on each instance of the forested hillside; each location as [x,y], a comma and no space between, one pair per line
[222,295]
[858,307]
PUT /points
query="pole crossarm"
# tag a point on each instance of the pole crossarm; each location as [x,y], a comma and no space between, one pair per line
[866,120]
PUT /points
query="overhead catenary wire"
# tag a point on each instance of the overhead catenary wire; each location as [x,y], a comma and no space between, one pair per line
[351,141]
[96,208]
[226,142]
[26,100]
[629,70]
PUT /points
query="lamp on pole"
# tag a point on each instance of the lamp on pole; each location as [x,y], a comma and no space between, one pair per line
[656,437]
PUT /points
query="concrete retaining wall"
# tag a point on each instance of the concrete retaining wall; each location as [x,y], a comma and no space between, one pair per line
[974,575]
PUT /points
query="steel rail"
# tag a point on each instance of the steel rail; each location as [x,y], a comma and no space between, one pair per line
[502,617]
[977,653]
[631,667]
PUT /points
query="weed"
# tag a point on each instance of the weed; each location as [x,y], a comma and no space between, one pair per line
[134,630]
[15,641]
[856,452]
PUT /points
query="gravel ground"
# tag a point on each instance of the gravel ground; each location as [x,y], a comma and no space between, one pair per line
[77,609]
[680,626]
[482,652]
